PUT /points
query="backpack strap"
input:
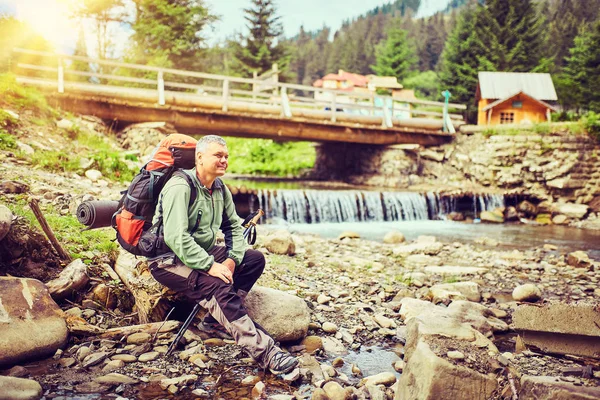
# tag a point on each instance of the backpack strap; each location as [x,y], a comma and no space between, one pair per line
[188,179]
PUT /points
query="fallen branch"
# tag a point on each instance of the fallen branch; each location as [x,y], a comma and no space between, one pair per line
[152,328]
[33,203]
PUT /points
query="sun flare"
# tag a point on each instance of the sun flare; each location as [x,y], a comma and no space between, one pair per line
[50,18]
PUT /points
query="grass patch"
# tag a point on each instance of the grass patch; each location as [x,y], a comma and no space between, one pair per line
[67,229]
[267,157]
[7,141]
[21,97]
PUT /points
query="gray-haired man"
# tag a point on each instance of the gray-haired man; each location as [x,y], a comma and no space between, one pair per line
[217,277]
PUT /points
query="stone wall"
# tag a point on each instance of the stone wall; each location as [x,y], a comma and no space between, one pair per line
[558,167]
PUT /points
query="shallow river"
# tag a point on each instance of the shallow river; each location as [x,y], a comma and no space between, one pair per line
[516,236]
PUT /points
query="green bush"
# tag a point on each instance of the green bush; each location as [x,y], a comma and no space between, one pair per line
[7,120]
[591,122]
[21,97]
[267,157]
[7,141]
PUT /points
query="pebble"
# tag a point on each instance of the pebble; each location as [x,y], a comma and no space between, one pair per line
[527,292]
[150,356]
[399,365]
[258,390]
[323,299]
[330,327]
[128,358]
[250,380]
[455,355]
[138,338]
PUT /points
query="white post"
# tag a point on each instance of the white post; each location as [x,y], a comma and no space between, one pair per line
[61,76]
[285,103]
[225,94]
[333,107]
[387,118]
[161,88]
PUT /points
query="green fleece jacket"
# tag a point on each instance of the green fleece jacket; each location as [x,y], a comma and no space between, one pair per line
[192,231]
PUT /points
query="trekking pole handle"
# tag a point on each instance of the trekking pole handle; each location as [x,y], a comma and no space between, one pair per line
[254,220]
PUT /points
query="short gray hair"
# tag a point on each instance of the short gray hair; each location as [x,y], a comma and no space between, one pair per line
[203,143]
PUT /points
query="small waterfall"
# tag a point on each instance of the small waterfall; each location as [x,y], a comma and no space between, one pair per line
[315,206]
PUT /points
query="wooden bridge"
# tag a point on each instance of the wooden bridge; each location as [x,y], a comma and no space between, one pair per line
[199,103]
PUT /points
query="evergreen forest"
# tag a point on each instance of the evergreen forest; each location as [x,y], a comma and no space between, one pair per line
[429,55]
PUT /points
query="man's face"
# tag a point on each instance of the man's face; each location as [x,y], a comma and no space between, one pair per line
[214,160]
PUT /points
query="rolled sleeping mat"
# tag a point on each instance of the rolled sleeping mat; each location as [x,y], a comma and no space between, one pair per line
[96,214]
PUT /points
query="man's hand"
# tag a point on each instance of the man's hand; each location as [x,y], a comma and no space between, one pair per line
[229,263]
[222,272]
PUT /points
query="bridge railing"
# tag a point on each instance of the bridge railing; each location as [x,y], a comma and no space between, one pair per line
[290,99]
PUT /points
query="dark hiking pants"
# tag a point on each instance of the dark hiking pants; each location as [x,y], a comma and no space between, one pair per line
[222,300]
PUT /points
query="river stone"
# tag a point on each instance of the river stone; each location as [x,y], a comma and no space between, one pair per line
[453,270]
[116,379]
[572,210]
[383,378]
[335,391]
[427,376]
[64,124]
[312,344]
[394,237]
[71,279]
[579,259]
[330,327]
[446,292]
[527,209]
[560,219]
[492,216]
[547,387]
[19,389]
[128,358]
[5,221]
[280,242]
[284,316]
[139,338]
[527,292]
[319,394]
[93,175]
[26,306]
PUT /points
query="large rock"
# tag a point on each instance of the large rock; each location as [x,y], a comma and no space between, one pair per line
[281,242]
[31,323]
[492,216]
[579,259]
[560,327]
[527,292]
[5,221]
[446,292]
[572,210]
[394,237]
[71,279]
[550,388]
[429,377]
[284,316]
[12,388]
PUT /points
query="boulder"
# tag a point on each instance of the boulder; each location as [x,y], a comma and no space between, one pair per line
[551,388]
[572,210]
[71,279]
[281,242]
[19,389]
[284,316]
[511,214]
[595,204]
[26,306]
[429,377]
[560,327]
[446,292]
[560,219]
[394,237]
[527,209]
[527,292]
[492,216]
[5,221]
[579,259]
[455,216]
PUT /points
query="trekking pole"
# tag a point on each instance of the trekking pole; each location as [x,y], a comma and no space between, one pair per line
[182,330]
[250,225]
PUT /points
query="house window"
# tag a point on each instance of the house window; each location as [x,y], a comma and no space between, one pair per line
[507,118]
[517,104]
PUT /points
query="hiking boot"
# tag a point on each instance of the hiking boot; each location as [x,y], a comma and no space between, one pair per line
[214,329]
[282,363]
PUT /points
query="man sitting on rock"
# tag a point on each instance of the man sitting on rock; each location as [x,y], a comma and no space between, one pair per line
[217,277]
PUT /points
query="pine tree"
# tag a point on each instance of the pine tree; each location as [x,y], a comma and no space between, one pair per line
[396,56]
[579,84]
[81,50]
[261,48]
[169,33]
[461,59]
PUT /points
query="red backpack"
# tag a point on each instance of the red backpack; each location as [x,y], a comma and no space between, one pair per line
[133,218]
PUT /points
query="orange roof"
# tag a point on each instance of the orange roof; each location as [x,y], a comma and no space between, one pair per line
[343,76]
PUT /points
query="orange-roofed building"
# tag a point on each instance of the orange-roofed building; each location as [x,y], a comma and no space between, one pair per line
[514,98]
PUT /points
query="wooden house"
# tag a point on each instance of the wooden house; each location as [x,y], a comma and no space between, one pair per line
[514,98]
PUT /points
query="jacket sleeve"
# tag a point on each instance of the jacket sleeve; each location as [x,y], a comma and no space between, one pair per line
[232,229]
[175,199]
